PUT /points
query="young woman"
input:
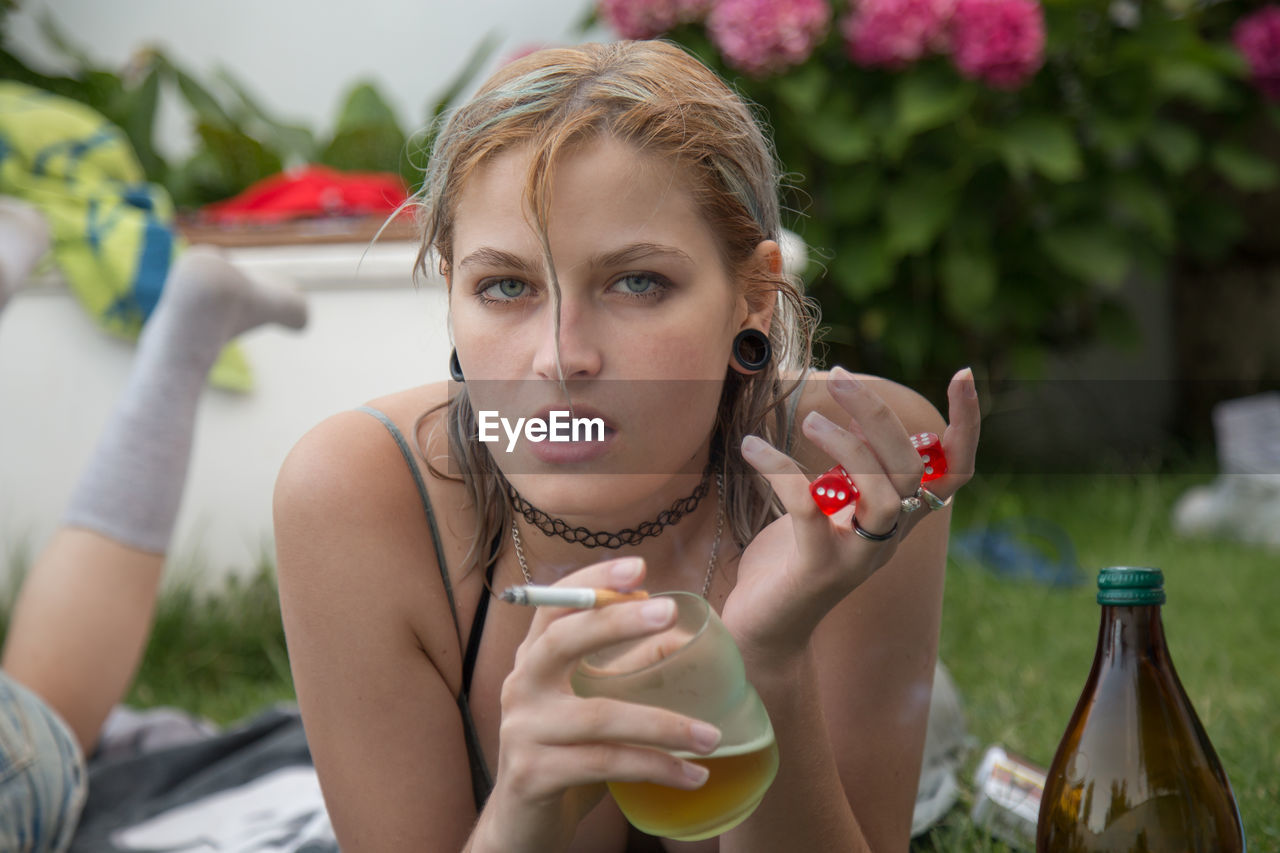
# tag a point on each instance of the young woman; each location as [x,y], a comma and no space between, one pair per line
[606,220]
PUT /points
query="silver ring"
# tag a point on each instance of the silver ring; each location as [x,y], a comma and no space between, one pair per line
[874,537]
[911,503]
[933,500]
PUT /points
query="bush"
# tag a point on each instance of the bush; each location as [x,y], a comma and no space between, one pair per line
[984,175]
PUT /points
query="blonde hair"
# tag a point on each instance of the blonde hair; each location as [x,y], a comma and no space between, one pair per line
[656,97]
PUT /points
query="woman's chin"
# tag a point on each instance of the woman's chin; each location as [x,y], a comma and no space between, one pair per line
[594,494]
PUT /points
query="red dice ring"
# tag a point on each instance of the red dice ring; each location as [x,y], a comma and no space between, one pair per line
[833,490]
[929,446]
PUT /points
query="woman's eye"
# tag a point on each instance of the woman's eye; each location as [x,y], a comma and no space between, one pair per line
[503,289]
[639,284]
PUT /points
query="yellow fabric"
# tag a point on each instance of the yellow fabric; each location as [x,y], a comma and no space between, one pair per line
[113,234]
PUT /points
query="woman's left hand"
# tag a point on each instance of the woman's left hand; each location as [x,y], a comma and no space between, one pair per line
[802,565]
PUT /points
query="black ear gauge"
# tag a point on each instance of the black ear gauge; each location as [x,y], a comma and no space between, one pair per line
[455,367]
[752,350]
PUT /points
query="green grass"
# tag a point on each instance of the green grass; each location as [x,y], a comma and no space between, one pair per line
[1019,651]
[222,656]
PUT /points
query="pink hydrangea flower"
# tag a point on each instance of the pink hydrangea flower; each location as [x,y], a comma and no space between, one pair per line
[895,33]
[1000,42]
[767,36]
[644,19]
[1257,37]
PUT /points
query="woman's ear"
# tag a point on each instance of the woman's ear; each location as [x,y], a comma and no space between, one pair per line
[765,263]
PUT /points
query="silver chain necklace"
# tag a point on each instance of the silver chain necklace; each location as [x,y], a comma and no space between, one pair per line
[711,564]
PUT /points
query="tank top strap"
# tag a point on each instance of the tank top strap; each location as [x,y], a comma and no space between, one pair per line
[407,452]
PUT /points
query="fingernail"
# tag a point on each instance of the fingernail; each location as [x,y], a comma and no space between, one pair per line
[626,570]
[970,387]
[843,379]
[695,772]
[658,612]
[753,446]
[705,736]
[815,420]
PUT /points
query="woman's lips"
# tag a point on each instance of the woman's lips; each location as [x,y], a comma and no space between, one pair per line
[595,433]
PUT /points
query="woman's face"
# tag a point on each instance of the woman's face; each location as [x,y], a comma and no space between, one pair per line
[647,317]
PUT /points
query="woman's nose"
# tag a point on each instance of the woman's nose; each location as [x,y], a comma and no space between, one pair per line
[568,349]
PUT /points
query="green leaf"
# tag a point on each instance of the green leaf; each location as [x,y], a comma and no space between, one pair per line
[367,136]
[137,119]
[1174,145]
[915,212]
[1092,253]
[862,267]
[1116,136]
[54,35]
[224,165]
[1044,143]
[838,136]
[104,92]
[909,337]
[803,89]
[854,194]
[364,106]
[292,140]
[1180,78]
[1143,204]
[368,148]
[928,98]
[203,104]
[969,276]
[1245,169]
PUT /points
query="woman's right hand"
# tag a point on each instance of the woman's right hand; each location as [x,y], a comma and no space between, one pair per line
[556,750]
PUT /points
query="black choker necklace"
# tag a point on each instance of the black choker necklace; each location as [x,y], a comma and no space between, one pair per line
[603,539]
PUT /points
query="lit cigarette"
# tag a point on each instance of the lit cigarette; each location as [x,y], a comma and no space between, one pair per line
[582,598]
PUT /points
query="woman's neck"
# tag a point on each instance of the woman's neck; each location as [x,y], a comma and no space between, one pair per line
[677,558]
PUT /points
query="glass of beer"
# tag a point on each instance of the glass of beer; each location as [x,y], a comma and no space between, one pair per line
[695,669]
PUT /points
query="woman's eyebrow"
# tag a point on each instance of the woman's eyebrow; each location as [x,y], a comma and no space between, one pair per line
[490,257]
[637,251]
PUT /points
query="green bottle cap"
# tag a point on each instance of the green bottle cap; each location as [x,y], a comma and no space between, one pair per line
[1131,586]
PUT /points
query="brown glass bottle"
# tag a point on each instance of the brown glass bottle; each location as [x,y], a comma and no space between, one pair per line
[1135,770]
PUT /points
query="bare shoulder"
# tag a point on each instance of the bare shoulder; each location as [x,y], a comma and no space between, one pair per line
[344,462]
[349,519]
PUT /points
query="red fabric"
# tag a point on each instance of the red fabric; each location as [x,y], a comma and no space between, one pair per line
[309,192]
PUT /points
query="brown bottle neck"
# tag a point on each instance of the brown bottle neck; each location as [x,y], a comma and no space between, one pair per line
[1129,631]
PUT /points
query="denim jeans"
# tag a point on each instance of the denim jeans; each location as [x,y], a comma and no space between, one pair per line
[42,773]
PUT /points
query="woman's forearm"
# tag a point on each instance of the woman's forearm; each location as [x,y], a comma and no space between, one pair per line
[806,807]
